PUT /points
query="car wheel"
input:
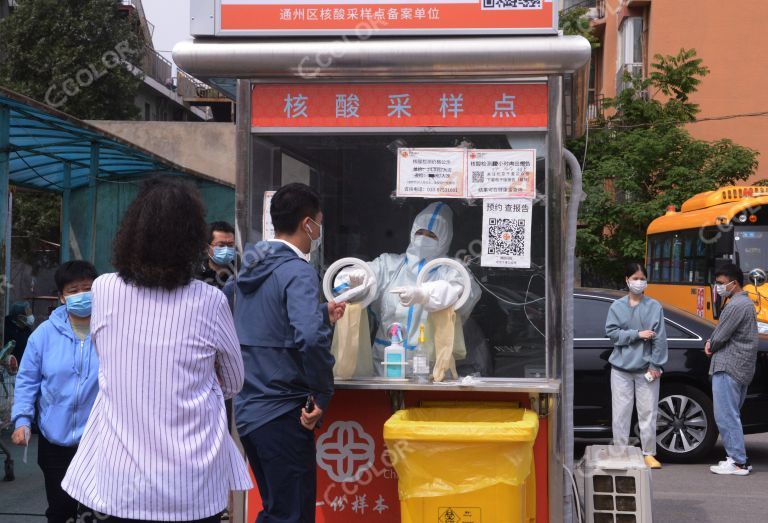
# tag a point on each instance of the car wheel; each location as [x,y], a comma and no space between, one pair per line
[685,425]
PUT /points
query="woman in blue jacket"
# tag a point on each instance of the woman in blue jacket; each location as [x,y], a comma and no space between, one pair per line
[635,325]
[57,384]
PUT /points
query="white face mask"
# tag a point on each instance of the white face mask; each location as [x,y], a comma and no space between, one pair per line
[30,320]
[722,289]
[315,242]
[637,286]
[424,247]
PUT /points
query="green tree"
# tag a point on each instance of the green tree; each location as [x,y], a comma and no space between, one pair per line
[71,54]
[574,21]
[642,159]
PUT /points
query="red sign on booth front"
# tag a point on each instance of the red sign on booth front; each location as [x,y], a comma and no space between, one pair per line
[365,17]
[345,106]
[355,479]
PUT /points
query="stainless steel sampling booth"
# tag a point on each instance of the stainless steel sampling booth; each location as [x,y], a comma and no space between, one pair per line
[385,108]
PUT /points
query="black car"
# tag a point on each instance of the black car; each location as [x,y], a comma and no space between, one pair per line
[686,429]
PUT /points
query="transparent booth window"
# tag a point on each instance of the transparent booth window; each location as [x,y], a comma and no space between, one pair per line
[503,331]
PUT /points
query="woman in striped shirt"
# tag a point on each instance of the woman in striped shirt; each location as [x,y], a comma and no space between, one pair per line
[156,445]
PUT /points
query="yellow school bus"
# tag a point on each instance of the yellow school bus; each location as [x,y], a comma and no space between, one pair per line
[684,248]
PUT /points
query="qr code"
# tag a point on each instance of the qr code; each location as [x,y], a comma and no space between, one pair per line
[506,237]
[478,177]
[511,4]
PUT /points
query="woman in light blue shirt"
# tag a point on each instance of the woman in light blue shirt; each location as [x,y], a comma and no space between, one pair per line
[635,325]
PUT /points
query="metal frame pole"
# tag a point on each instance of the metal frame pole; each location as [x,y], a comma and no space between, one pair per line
[66,218]
[94,174]
[559,496]
[243,226]
[5,175]
[243,163]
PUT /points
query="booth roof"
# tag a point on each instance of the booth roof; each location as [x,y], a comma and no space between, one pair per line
[220,62]
[43,139]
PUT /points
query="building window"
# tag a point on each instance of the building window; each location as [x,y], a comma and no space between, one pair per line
[147,112]
[630,55]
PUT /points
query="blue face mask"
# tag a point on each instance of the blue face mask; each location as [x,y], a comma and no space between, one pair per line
[223,255]
[79,304]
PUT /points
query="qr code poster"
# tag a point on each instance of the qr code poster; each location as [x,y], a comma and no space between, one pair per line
[431,173]
[507,233]
[267,229]
[512,4]
[501,173]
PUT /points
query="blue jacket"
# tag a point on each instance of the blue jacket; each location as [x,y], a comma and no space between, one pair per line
[58,378]
[284,335]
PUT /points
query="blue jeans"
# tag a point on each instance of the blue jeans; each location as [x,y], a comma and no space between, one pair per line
[728,397]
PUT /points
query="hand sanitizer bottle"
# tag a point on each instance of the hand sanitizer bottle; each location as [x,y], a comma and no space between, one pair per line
[421,359]
[394,355]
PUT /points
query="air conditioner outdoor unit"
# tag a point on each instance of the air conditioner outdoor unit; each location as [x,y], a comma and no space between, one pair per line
[616,485]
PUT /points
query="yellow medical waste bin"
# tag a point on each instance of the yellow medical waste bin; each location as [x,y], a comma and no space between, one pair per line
[468,464]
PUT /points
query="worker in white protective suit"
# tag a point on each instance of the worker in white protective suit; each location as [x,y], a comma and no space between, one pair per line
[400,300]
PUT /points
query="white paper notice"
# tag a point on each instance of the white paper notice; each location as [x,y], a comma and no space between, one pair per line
[431,173]
[502,173]
[267,229]
[507,233]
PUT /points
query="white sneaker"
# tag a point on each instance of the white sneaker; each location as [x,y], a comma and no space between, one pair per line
[729,468]
[728,459]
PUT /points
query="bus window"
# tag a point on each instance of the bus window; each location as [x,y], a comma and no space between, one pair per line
[749,244]
[690,242]
[685,257]
[677,259]
[666,251]
[658,258]
[655,261]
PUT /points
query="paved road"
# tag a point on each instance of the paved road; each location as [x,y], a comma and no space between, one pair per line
[25,496]
[691,493]
[681,493]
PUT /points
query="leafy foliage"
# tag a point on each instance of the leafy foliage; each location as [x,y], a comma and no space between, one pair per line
[35,229]
[49,48]
[642,159]
[575,22]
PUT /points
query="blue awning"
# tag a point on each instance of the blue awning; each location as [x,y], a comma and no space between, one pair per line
[42,140]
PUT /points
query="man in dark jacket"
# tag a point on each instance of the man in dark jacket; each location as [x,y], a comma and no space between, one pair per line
[285,336]
[218,266]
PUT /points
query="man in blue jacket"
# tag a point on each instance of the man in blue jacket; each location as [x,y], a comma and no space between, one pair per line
[57,383]
[285,336]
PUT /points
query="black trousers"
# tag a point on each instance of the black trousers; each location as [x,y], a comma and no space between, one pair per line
[282,456]
[54,461]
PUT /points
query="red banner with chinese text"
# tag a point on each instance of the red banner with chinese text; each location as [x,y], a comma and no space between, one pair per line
[400,105]
[355,480]
[363,17]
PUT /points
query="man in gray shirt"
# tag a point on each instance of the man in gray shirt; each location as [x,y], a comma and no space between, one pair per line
[733,348]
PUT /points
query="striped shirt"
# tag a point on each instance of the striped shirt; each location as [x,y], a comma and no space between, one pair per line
[156,445]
